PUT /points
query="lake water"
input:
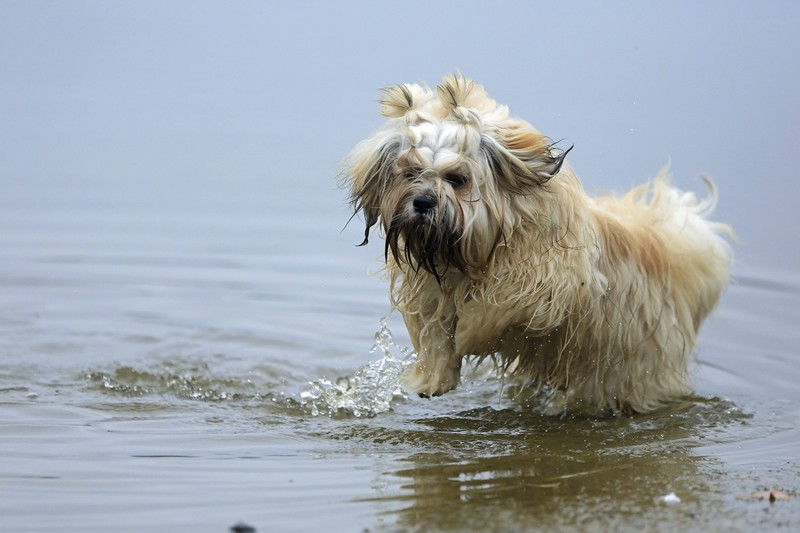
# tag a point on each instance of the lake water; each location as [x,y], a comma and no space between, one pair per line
[190,340]
[182,368]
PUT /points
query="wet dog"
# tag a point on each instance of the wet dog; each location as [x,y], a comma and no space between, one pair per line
[494,249]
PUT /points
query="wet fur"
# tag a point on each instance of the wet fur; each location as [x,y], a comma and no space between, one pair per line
[597,298]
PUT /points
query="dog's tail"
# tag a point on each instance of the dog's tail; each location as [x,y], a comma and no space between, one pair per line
[662,191]
[670,201]
[705,207]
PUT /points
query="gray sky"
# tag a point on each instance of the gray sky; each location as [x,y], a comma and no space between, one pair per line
[251,104]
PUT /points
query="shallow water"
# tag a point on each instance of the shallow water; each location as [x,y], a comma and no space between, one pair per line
[172,370]
[189,340]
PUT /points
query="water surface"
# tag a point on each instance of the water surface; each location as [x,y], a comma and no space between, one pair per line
[189,339]
[168,370]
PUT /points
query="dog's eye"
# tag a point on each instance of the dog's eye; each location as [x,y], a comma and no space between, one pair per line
[456,180]
[410,173]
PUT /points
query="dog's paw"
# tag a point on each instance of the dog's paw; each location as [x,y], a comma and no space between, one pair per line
[426,383]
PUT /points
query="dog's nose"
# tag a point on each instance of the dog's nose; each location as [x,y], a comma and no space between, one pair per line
[424,203]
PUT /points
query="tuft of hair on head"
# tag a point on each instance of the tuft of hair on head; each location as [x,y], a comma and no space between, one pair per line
[462,98]
[454,90]
[402,100]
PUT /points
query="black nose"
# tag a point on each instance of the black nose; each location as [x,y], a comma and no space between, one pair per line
[424,203]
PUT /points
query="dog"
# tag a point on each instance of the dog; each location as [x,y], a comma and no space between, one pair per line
[494,249]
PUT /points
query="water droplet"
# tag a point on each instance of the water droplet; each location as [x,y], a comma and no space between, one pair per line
[370,390]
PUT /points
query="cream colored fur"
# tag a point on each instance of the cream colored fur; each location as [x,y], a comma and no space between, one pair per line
[600,298]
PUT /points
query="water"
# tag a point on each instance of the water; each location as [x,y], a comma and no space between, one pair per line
[189,339]
[187,371]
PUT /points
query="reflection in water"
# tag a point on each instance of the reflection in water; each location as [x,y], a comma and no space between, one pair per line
[509,467]
[509,470]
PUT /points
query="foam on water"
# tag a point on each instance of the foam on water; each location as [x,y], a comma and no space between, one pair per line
[371,390]
[185,381]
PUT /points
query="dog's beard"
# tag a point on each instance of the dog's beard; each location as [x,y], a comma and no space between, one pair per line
[429,241]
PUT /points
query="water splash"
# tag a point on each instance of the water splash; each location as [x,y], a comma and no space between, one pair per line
[368,392]
[192,382]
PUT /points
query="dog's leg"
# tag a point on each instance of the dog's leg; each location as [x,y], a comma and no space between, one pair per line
[438,367]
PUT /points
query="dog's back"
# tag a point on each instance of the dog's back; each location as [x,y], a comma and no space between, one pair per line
[665,266]
[677,242]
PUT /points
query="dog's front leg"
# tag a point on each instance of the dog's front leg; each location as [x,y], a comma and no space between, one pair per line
[438,367]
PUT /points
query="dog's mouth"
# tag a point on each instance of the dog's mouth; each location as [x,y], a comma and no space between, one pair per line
[426,241]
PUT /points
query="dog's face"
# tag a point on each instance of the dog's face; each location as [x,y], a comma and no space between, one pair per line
[446,175]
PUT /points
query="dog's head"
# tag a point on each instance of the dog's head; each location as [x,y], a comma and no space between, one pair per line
[445,175]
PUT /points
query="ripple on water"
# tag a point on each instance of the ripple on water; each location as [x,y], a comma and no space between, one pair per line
[194,383]
[483,416]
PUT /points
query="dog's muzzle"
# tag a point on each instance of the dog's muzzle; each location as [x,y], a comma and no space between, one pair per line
[424,204]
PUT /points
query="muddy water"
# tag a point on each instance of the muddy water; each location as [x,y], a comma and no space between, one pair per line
[177,371]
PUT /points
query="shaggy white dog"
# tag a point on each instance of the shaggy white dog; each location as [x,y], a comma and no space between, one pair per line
[494,248]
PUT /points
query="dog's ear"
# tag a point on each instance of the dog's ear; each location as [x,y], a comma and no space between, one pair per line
[520,157]
[368,170]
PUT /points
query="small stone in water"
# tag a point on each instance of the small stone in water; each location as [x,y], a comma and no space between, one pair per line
[241,527]
[671,498]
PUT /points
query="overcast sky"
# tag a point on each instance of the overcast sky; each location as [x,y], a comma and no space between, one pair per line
[258,101]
